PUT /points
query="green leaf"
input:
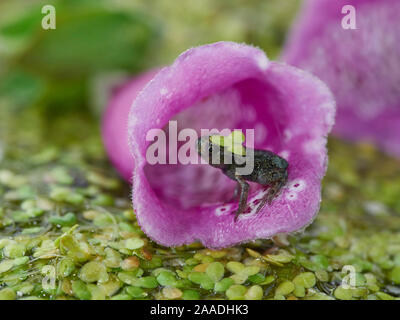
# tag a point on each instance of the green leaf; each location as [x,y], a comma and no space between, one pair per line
[91,40]
[22,88]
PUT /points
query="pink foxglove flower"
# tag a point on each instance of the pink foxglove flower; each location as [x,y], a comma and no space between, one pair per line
[235,86]
[361,66]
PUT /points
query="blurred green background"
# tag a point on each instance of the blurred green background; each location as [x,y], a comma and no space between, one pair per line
[97,42]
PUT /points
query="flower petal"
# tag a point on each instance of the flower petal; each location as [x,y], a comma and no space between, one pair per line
[361,66]
[115,123]
[229,85]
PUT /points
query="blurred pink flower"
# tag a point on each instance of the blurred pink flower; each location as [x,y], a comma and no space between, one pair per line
[361,66]
[115,123]
[224,85]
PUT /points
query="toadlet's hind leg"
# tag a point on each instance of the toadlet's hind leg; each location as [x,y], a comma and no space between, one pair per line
[271,194]
[236,193]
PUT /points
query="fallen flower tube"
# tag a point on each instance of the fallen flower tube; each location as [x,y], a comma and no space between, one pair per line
[353,46]
[224,85]
[115,123]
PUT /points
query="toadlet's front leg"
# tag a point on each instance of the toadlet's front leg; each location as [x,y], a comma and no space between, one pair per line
[244,193]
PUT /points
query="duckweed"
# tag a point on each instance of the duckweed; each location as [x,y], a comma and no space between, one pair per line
[130,263]
[384,296]
[80,290]
[322,275]
[235,267]
[67,220]
[20,261]
[342,293]
[111,287]
[122,296]
[306,280]
[250,271]
[149,282]
[136,292]
[299,291]
[132,278]
[239,278]
[65,267]
[134,243]
[167,278]
[190,295]
[93,271]
[6,265]
[395,275]
[223,285]
[96,293]
[7,294]
[236,292]
[202,267]
[113,259]
[257,278]
[202,279]
[254,293]
[171,293]
[284,288]
[14,250]
[70,215]
[215,271]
